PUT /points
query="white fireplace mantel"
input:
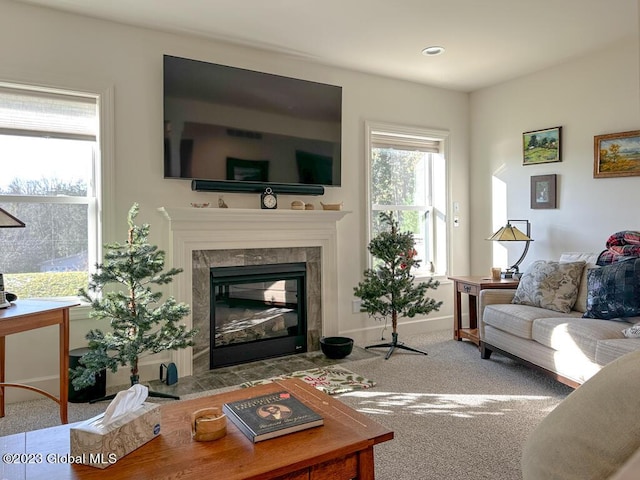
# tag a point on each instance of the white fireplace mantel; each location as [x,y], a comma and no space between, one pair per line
[193,229]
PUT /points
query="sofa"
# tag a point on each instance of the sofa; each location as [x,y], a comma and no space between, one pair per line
[584,438]
[569,317]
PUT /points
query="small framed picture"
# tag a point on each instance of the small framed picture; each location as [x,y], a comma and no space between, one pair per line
[616,155]
[541,146]
[543,191]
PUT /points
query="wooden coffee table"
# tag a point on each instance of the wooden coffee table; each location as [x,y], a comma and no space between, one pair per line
[340,449]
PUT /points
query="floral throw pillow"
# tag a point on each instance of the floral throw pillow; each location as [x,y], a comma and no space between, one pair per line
[632,332]
[550,285]
[613,291]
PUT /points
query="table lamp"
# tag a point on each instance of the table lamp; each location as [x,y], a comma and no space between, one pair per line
[509,233]
[7,221]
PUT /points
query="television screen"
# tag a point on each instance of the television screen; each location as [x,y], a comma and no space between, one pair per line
[230,124]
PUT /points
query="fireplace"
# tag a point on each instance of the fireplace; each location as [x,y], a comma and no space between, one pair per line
[257,312]
[237,287]
[201,238]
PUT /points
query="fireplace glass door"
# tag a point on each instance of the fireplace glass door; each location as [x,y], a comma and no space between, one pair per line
[257,312]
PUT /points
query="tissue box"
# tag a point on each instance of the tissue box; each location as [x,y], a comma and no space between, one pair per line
[101,447]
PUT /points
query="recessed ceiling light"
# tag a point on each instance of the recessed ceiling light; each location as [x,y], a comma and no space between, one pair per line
[432,51]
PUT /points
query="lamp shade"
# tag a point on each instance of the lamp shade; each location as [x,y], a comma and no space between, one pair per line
[509,233]
[9,221]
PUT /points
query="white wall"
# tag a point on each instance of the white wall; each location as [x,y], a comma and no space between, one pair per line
[594,95]
[57,49]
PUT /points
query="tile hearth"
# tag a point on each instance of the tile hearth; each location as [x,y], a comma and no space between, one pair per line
[238,374]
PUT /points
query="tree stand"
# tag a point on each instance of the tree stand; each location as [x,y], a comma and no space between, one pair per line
[134,380]
[393,345]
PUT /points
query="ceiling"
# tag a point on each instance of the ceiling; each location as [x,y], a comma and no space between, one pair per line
[487,42]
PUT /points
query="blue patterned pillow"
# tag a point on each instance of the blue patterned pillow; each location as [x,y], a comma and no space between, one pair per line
[614,291]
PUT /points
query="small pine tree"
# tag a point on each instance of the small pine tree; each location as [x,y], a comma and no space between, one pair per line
[388,289]
[139,322]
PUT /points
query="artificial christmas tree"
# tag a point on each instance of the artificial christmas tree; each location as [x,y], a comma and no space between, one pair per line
[140,323]
[388,289]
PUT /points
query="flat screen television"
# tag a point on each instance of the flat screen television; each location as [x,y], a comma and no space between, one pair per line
[232,127]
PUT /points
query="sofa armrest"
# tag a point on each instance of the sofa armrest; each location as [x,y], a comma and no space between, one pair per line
[630,469]
[492,296]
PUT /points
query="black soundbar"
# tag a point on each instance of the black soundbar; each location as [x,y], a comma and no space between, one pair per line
[254,187]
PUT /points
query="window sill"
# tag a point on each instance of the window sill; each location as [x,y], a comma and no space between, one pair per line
[80,312]
[440,277]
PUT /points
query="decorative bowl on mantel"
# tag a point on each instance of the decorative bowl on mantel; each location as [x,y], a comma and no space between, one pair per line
[336,347]
[331,206]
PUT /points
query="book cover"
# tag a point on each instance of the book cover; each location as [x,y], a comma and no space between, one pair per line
[272,415]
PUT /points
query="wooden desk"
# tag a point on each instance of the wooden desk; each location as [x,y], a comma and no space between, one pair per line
[341,449]
[26,315]
[472,287]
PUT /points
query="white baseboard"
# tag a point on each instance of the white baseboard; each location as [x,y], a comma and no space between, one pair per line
[48,384]
[148,371]
[373,333]
[151,370]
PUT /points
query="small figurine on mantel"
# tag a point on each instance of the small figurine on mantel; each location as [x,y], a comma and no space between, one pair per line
[222,203]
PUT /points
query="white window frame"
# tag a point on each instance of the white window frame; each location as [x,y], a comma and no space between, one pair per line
[99,217]
[435,241]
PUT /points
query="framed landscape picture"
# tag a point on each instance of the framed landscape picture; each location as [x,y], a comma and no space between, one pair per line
[616,154]
[541,146]
[543,191]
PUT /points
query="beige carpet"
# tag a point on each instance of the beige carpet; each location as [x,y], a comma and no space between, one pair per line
[454,415]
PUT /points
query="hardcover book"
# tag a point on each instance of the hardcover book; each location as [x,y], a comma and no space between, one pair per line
[272,415]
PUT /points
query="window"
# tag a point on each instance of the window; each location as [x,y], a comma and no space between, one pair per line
[49,159]
[407,175]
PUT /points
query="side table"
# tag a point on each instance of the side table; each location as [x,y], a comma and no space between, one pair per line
[24,315]
[472,285]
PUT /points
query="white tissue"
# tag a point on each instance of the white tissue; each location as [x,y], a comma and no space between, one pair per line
[126,401]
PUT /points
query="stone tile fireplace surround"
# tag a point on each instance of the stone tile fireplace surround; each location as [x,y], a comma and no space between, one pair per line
[203,260]
[202,237]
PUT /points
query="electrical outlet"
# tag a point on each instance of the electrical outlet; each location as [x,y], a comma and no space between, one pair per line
[356,306]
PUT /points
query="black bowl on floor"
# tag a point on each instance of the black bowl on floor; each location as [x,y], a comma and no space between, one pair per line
[336,347]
